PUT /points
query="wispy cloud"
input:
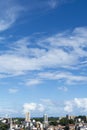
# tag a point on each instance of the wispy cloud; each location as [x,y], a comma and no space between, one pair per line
[66,76]
[13,90]
[10,13]
[66,51]
[53,3]
[33,82]
[46,5]
[13,10]
[63,88]
[9,111]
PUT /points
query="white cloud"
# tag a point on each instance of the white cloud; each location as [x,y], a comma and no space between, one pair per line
[15,65]
[33,107]
[41,107]
[38,7]
[13,90]
[65,50]
[12,10]
[56,107]
[76,103]
[46,106]
[44,5]
[52,107]
[33,82]
[53,3]
[81,103]
[9,15]
[68,77]
[68,106]
[63,88]
[29,106]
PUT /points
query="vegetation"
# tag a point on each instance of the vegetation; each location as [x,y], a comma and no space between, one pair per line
[83,118]
[52,121]
[38,119]
[18,120]
[64,121]
[4,126]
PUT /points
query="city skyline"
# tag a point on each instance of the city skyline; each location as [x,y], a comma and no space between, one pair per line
[43,57]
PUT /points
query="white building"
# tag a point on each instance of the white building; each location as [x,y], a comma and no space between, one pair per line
[27,118]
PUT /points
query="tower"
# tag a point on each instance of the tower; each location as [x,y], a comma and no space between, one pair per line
[45,119]
[10,123]
[27,118]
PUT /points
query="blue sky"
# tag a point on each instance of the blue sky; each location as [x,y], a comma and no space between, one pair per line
[43,57]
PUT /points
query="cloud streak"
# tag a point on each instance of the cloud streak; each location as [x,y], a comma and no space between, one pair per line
[9,15]
[13,10]
[65,76]
[13,90]
[33,82]
[66,51]
[63,88]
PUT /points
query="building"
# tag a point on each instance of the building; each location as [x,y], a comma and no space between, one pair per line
[45,122]
[70,117]
[27,118]
[45,119]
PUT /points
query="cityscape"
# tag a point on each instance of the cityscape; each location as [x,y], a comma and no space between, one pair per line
[43,64]
[44,123]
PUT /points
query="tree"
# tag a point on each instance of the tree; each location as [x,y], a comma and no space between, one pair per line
[4,126]
[71,121]
[54,123]
[83,118]
[64,121]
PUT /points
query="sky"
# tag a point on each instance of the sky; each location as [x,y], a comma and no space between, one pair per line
[43,57]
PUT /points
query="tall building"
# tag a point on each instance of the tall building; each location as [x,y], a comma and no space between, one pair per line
[45,122]
[10,123]
[45,119]
[70,117]
[27,118]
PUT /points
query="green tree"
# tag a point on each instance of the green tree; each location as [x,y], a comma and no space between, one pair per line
[4,126]
[54,123]
[64,121]
[71,121]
